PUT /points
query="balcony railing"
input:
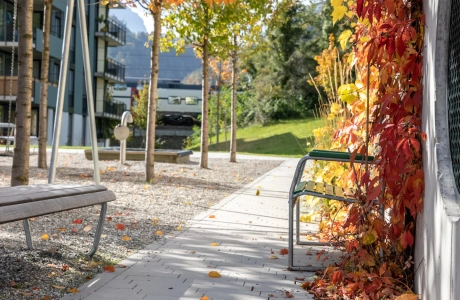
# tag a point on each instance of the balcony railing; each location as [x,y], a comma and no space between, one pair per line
[112,31]
[113,71]
[113,108]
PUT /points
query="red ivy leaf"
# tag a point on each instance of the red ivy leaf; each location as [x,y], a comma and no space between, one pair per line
[401,46]
[406,239]
[359,7]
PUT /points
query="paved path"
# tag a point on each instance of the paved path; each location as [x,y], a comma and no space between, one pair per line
[248,230]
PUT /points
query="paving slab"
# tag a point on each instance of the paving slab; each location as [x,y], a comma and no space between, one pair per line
[248,232]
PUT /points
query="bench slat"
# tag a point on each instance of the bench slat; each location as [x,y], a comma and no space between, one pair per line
[338,191]
[311,186]
[329,190]
[30,193]
[39,208]
[300,187]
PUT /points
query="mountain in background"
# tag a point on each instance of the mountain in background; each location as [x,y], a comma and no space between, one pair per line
[132,20]
[136,57]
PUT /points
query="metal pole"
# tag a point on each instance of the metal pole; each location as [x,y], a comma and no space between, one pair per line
[61,90]
[125,119]
[89,89]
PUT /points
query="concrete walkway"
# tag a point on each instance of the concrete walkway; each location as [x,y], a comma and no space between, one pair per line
[248,230]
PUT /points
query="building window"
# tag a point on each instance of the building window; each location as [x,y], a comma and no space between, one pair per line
[191,100]
[174,100]
[71,87]
[56,23]
[37,69]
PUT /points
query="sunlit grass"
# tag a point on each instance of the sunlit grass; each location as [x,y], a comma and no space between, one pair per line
[292,138]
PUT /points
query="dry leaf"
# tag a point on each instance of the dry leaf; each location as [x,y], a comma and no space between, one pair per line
[51,265]
[45,237]
[32,219]
[120,266]
[117,214]
[110,169]
[179,228]
[192,251]
[87,228]
[109,218]
[61,229]
[12,283]
[120,226]
[35,288]
[257,192]
[64,267]
[46,297]
[273,257]
[212,216]
[204,298]
[284,251]
[214,274]
[159,232]
[59,287]
[214,244]
[187,203]
[74,230]
[126,238]
[26,294]
[77,221]
[73,290]
[109,268]
[55,236]
[146,187]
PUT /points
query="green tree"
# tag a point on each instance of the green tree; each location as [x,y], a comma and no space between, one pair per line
[20,170]
[202,24]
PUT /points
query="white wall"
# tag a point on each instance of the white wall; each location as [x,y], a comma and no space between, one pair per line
[437,247]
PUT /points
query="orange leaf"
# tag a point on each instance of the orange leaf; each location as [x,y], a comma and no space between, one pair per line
[214,274]
[159,232]
[212,216]
[45,237]
[109,268]
[284,251]
[73,290]
[214,244]
[120,226]
[77,221]
[126,238]
[109,218]
[62,229]
[204,298]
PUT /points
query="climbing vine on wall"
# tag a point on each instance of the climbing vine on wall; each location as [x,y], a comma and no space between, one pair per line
[386,105]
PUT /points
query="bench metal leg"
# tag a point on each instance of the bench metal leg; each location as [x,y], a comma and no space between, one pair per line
[29,242]
[291,234]
[100,227]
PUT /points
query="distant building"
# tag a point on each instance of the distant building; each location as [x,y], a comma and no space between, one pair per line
[102,33]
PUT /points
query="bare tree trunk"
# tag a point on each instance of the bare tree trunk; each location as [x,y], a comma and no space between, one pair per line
[204,108]
[20,171]
[233,134]
[44,86]
[219,88]
[152,108]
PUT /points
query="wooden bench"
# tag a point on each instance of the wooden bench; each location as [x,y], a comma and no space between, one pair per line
[28,201]
[316,189]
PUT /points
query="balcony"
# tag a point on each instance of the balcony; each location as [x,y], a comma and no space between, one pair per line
[5,82]
[111,31]
[6,37]
[110,70]
[112,109]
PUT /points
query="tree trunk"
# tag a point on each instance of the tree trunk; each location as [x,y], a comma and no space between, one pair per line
[233,134]
[20,170]
[152,108]
[219,88]
[204,108]
[44,86]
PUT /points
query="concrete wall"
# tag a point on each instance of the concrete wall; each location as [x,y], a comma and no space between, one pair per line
[437,251]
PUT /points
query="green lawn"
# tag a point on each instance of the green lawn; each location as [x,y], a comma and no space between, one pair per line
[284,138]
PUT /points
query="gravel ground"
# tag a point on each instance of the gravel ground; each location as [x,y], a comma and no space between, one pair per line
[150,212]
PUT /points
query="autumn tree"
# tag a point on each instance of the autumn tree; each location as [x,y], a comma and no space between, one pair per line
[20,170]
[200,23]
[44,85]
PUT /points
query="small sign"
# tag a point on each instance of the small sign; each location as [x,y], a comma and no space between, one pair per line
[121,132]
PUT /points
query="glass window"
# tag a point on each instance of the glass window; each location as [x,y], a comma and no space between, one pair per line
[37,69]
[191,100]
[174,100]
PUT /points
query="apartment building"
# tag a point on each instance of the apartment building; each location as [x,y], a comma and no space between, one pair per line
[103,32]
